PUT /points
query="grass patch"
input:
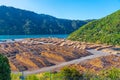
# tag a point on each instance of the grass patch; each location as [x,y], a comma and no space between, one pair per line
[68,73]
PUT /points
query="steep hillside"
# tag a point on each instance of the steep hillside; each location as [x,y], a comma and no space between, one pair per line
[105,30]
[20,22]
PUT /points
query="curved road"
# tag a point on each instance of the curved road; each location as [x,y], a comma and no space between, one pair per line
[46,69]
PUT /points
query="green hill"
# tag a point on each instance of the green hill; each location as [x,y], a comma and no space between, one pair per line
[15,21]
[105,30]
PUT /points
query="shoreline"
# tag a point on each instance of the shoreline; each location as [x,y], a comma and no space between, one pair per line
[64,42]
[10,40]
[21,39]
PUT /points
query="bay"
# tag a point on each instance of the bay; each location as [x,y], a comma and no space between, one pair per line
[12,37]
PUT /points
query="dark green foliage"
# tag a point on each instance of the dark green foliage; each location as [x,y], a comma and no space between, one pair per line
[105,30]
[19,22]
[4,68]
[71,74]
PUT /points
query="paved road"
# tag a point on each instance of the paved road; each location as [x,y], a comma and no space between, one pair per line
[45,69]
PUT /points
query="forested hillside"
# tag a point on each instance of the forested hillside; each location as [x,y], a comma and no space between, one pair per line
[105,30]
[15,21]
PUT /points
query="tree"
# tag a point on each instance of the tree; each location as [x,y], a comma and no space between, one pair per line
[71,74]
[4,68]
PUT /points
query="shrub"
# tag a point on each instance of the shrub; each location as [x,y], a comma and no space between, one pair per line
[71,74]
[32,77]
[113,74]
[4,68]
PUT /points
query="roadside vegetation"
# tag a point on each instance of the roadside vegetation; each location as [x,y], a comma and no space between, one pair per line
[72,74]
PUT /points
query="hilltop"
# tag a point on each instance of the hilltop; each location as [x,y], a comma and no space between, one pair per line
[105,31]
[15,21]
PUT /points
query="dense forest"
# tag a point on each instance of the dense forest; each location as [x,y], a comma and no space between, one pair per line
[15,21]
[105,30]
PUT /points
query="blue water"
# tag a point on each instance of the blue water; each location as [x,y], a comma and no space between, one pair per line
[4,37]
